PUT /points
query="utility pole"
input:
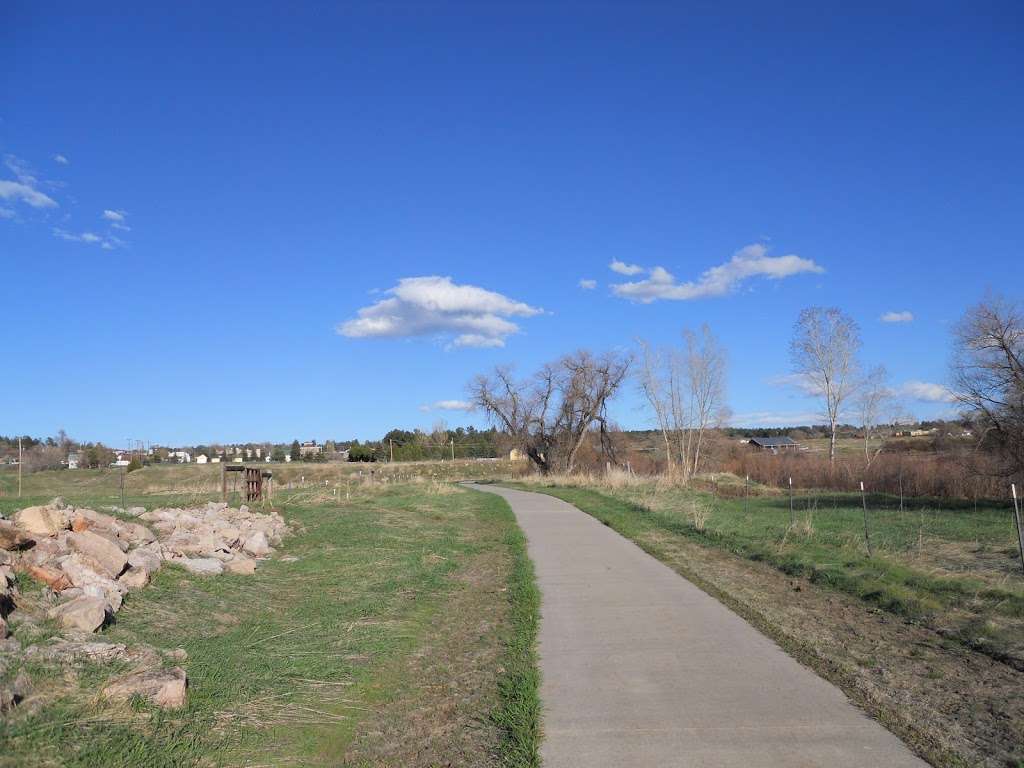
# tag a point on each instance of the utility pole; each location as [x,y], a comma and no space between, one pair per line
[21,460]
[391,447]
[453,449]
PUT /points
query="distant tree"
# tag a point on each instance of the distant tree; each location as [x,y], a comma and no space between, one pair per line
[278,454]
[296,452]
[988,377]
[872,396]
[550,415]
[824,349]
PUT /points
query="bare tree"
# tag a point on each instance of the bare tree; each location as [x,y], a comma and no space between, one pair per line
[988,376]
[824,350]
[686,390]
[871,401]
[705,374]
[550,415]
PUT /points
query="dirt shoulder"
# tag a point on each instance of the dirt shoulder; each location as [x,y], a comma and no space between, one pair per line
[955,707]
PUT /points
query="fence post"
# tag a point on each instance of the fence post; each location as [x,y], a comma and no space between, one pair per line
[864,503]
[792,512]
[122,490]
[1017,521]
[746,492]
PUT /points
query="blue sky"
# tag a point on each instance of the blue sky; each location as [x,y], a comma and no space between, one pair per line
[196,202]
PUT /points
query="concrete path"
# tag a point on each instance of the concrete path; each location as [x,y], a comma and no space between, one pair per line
[641,668]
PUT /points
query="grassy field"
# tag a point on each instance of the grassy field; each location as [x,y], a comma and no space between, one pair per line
[922,640]
[396,627]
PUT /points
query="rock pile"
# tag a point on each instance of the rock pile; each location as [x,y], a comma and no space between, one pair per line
[90,561]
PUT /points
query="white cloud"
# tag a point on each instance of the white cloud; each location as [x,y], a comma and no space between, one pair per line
[775,419]
[435,306]
[15,190]
[802,381]
[927,392]
[106,243]
[24,189]
[750,261]
[588,285]
[897,317]
[117,216]
[625,269]
[60,159]
[448,405]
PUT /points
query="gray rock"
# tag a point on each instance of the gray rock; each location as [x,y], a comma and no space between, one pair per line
[84,613]
[165,688]
[14,538]
[147,558]
[257,545]
[135,511]
[68,651]
[203,566]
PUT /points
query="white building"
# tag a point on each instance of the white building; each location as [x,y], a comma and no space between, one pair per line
[201,458]
[74,459]
[182,457]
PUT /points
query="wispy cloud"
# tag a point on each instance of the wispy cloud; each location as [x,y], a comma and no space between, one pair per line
[16,190]
[926,392]
[750,261]
[897,317]
[24,189]
[60,159]
[107,243]
[466,315]
[116,219]
[448,405]
[800,381]
[587,284]
[775,419]
[625,269]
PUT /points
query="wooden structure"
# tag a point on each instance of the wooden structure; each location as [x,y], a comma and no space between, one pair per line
[258,484]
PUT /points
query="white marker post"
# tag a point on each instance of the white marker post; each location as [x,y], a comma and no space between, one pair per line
[864,502]
[1017,521]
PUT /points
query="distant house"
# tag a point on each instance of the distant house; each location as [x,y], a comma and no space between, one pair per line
[74,459]
[215,460]
[516,455]
[182,457]
[202,458]
[342,454]
[310,449]
[774,444]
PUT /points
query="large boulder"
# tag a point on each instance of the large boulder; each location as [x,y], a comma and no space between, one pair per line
[203,566]
[46,551]
[85,613]
[14,538]
[257,545]
[100,550]
[241,565]
[165,688]
[149,558]
[55,579]
[134,578]
[68,651]
[83,575]
[42,521]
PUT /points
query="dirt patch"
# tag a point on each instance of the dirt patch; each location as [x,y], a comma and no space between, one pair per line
[439,718]
[954,706]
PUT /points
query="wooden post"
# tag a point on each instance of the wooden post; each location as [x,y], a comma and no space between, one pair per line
[864,503]
[792,512]
[1017,520]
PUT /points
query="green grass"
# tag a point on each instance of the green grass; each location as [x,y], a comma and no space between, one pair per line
[953,570]
[519,713]
[283,665]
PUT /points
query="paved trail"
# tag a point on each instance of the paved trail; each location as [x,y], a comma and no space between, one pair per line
[640,668]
